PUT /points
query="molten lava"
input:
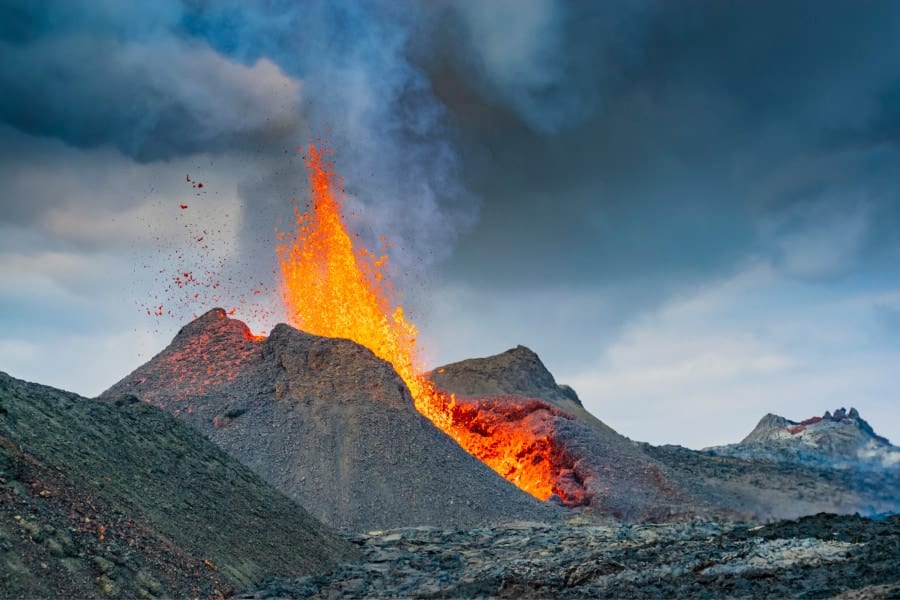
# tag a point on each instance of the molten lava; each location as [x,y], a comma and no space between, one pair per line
[333,288]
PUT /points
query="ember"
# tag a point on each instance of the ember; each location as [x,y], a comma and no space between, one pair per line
[192,277]
[334,288]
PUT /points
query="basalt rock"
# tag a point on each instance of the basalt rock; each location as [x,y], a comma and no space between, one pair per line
[327,423]
[822,556]
[117,498]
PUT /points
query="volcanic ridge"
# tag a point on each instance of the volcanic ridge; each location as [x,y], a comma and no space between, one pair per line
[118,498]
[333,427]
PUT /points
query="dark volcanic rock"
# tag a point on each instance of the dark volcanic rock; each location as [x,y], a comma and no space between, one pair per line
[823,556]
[117,498]
[326,422]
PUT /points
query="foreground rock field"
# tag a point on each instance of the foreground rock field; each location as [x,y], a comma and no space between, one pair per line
[813,557]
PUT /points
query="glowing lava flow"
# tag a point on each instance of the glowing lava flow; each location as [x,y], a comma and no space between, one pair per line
[332,288]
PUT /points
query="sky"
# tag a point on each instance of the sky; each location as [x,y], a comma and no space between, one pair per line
[690,211]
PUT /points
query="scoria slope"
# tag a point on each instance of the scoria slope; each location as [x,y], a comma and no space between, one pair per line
[515,372]
[117,498]
[327,423]
[595,466]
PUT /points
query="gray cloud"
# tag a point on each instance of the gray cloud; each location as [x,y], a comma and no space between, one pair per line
[670,169]
[521,104]
[227,78]
[152,96]
[549,62]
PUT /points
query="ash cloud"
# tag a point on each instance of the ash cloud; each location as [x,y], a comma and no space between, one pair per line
[551,114]
[176,79]
[699,126]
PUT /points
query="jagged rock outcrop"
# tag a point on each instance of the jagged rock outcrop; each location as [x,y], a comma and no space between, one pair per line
[843,438]
[327,423]
[117,498]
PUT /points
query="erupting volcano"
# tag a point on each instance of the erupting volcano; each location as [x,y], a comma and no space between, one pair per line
[334,287]
[335,408]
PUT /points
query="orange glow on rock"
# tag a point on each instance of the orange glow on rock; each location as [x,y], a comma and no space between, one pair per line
[334,288]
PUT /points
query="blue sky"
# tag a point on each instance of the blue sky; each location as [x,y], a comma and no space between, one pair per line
[689,210]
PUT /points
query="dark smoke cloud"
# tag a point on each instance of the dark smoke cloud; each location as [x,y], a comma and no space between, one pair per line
[703,131]
[432,105]
[172,79]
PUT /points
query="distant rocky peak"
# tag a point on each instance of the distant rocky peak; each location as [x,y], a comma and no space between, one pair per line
[774,426]
[842,435]
[772,421]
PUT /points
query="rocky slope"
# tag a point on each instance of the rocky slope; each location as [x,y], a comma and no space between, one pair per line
[752,480]
[815,557]
[117,498]
[516,372]
[842,439]
[327,423]
[610,474]
[784,469]
[760,488]
[591,469]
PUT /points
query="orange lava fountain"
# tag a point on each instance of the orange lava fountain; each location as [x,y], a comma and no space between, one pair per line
[333,288]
